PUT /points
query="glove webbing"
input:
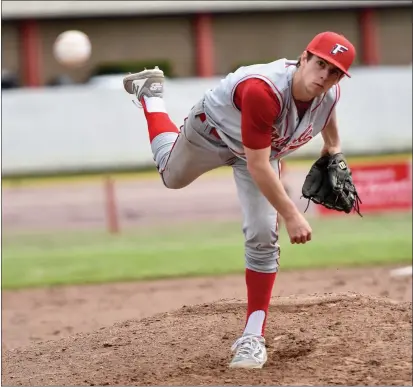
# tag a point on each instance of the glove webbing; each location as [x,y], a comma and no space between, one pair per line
[356,205]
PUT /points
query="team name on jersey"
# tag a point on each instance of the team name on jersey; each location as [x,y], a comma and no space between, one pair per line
[282,145]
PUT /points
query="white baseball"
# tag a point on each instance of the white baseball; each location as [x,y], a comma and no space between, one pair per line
[72,48]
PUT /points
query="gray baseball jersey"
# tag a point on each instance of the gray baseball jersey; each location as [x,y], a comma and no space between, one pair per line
[289,132]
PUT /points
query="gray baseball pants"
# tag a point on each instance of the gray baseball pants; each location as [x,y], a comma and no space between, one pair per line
[182,158]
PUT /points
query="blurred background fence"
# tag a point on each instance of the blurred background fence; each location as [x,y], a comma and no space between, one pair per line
[86,128]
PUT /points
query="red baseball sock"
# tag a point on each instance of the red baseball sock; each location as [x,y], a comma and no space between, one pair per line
[259,289]
[157,118]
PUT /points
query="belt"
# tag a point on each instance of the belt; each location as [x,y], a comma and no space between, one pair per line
[202,117]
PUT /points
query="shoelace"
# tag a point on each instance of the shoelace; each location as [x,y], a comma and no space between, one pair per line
[246,345]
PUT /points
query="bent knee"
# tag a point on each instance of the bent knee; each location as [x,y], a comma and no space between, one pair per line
[263,237]
[262,250]
[174,182]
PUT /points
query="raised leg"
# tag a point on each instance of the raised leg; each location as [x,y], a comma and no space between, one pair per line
[181,156]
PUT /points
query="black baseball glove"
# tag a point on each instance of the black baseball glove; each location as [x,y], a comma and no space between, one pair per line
[329,183]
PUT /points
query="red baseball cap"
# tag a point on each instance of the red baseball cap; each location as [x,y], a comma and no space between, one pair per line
[333,48]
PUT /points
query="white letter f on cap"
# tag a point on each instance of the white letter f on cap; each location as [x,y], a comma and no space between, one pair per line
[338,48]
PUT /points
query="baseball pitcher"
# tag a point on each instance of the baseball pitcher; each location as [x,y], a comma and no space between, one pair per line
[249,121]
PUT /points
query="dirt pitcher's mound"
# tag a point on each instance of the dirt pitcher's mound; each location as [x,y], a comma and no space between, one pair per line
[317,340]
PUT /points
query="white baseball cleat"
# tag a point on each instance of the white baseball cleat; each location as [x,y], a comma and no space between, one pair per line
[250,352]
[148,83]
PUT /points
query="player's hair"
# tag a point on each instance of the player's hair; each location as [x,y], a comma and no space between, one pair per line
[309,56]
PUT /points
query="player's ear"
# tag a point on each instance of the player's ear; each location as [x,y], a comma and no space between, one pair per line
[307,56]
[302,58]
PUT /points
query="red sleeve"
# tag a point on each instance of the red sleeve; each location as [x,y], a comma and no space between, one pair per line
[259,108]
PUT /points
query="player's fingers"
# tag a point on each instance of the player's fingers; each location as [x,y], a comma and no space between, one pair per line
[297,239]
[301,238]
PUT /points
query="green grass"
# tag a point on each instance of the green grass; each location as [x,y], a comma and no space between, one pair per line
[195,250]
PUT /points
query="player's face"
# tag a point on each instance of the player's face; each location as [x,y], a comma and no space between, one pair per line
[319,75]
